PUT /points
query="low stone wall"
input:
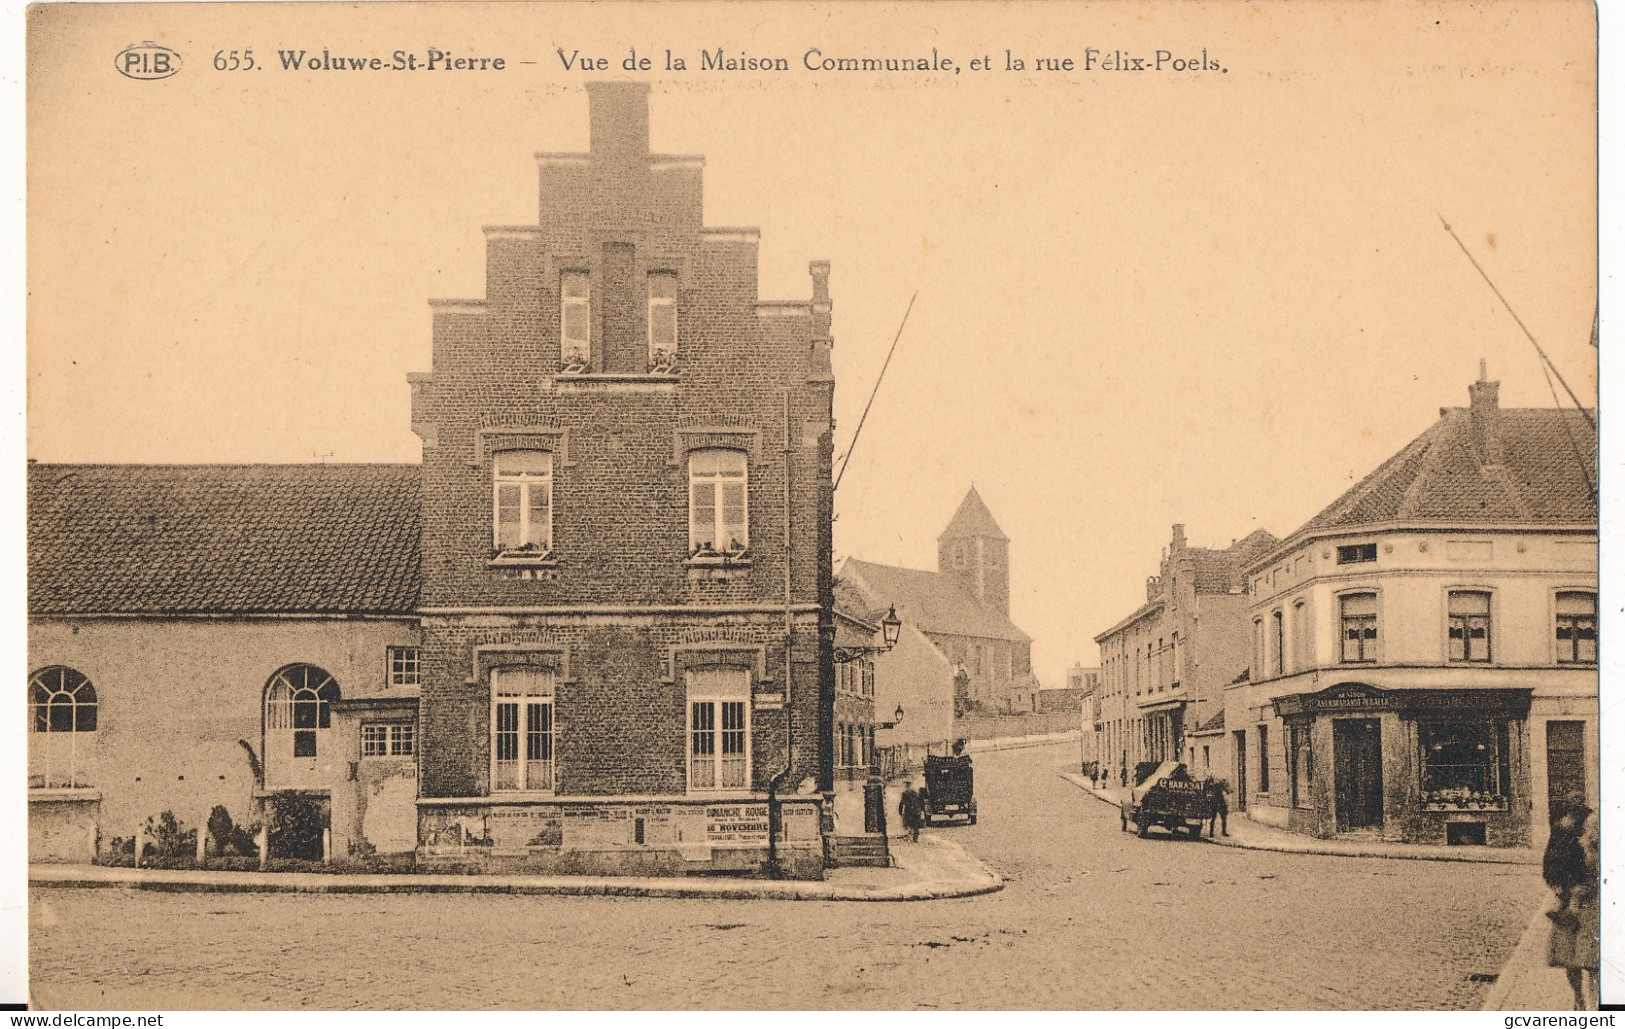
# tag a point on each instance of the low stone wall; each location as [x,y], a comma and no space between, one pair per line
[977,726]
[653,836]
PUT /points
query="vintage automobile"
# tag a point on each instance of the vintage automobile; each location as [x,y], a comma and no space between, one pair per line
[1168,797]
[950,789]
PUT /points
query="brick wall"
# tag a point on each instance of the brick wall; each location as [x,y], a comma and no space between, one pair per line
[751,377]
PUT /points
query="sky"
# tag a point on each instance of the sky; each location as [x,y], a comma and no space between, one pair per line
[1212,297]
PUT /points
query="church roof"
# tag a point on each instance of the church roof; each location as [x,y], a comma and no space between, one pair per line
[973,520]
[930,601]
[229,539]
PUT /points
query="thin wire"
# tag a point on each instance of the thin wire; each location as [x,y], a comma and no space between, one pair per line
[1574,444]
[1581,407]
[874,391]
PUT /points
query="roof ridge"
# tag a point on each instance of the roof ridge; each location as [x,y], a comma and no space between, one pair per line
[1432,460]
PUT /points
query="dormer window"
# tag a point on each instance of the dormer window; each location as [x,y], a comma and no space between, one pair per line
[575,322]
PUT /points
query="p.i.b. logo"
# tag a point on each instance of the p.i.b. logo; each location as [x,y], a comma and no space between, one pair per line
[147,60]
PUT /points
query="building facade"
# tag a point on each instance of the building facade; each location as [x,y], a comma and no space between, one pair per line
[609,586]
[1424,650]
[1164,667]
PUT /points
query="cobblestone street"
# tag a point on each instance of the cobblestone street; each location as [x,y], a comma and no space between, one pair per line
[1091,918]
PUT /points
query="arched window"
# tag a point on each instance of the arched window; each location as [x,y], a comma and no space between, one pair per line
[299,704]
[718,517]
[62,710]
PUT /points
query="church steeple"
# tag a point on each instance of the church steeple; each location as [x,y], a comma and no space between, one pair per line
[974,548]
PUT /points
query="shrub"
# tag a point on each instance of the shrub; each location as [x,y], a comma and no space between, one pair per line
[230,839]
[168,838]
[297,823]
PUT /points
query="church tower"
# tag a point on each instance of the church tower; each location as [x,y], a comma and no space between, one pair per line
[974,548]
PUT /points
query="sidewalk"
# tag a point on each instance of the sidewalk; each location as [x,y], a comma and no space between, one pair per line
[932,869]
[1250,835]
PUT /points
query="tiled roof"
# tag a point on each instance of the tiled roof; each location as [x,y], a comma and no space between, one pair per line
[931,601]
[1219,571]
[156,539]
[1442,475]
[972,519]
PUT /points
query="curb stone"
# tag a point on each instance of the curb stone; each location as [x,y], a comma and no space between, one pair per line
[1394,851]
[973,879]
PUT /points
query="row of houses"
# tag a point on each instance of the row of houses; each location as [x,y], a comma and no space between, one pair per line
[1417,662]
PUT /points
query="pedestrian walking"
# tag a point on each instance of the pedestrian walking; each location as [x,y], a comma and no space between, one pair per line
[1570,868]
[912,808]
[1217,788]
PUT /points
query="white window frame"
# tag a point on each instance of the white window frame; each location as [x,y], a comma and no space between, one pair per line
[662,310]
[575,295]
[291,689]
[64,754]
[715,480]
[530,692]
[388,739]
[526,483]
[711,766]
[404,669]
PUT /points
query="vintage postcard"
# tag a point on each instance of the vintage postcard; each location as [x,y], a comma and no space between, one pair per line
[810,506]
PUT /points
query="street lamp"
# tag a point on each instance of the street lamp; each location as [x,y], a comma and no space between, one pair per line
[897,716]
[891,627]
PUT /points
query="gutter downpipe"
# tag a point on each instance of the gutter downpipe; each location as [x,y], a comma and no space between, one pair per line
[775,810]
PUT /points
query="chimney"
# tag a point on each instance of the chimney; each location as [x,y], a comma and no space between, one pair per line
[618,116]
[1486,416]
[1179,536]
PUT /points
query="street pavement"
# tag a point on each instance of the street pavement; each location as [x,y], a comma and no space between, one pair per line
[1090,917]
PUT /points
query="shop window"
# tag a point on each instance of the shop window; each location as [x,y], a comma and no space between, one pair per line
[718,729]
[718,518]
[1301,759]
[521,729]
[1577,628]
[1469,625]
[662,323]
[1358,612]
[299,709]
[575,322]
[1466,764]
[62,710]
[403,666]
[388,739]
